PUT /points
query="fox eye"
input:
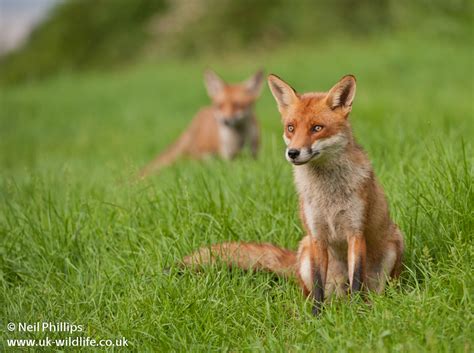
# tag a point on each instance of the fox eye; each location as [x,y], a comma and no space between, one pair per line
[317,128]
[290,128]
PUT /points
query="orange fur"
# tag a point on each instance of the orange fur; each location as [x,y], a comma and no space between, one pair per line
[248,256]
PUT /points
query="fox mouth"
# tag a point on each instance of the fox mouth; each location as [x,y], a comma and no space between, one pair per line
[230,122]
[301,162]
[233,122]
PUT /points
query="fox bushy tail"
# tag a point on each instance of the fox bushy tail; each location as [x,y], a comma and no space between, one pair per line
[247,256]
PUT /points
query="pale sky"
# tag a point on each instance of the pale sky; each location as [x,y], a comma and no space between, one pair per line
[18,18]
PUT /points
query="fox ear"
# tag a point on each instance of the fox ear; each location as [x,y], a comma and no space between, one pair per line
[214,84]
[283,93]
[254,83]
[342,94]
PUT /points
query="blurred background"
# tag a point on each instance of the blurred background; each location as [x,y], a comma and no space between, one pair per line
[88,83]
[42,37]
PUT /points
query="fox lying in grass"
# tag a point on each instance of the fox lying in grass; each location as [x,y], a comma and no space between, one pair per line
[222,128]
[350,241]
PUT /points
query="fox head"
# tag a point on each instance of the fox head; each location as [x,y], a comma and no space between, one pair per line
[315,124]
[233,103]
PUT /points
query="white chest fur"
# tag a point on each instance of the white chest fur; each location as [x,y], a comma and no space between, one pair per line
[331,204]
[231,140]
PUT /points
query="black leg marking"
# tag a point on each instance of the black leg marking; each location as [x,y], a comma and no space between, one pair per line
[357,278]
[318,293]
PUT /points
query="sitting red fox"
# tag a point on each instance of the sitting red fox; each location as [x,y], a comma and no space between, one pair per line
[350,239]
[222,128]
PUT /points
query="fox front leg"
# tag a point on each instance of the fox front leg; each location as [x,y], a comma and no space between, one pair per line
[312,269]
[320,270]
[356,261]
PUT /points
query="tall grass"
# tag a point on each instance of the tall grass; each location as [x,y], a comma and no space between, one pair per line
[81,244]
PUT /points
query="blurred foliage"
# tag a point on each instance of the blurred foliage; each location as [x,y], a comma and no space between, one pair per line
[99,33]
[80,34]
[246,23]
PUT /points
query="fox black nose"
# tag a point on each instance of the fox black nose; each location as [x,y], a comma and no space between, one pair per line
[293,153]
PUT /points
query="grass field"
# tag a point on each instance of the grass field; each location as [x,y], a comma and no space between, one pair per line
[80,244]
